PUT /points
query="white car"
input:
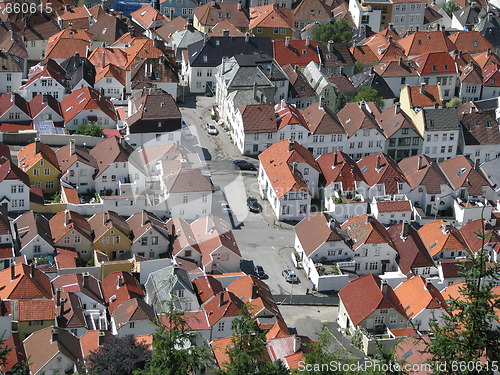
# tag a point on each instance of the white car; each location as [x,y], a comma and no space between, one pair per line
[212,130]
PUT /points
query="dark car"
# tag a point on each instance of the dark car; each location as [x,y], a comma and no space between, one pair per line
[244,165]
[254,205]
[259,271]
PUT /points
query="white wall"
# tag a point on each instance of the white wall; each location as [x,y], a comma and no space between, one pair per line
[29,249]
[13,84]
[18,201]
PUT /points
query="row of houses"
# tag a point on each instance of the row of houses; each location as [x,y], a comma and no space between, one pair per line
[331,253]
[415,188]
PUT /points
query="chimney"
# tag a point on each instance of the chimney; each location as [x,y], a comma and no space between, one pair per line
[247,37]
[391,26]
[12,272]
[221,298]
[428,284]
[404,230]
[420,162]
[378,162]
[476,163]
[32,270]
[383,286]
[205,38]
[239,5]
[335,158]
[321,102]
[295,68]
[255,90]
[58,296]
[488,52]
[330,45]
[290,145]
[225,32]
[212,3]
[416,28]
[101,337]
[443,28]
[105,217]
[66,217]
[287,41]
[422,88]
[70,26]
[71,34]
[119,282]
[54,335]
[104,58]
[400,62]
[71,146]
[144,217]
[45,98]
[308,41]
[396,108]
[296,344]
[389,38]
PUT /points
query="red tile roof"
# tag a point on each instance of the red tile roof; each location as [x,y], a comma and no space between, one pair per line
[222,305]
[287,114]
[131,310]
[486,58]
[356,116]
[24,285]
[220,348]
[225,24]
[337,166]
[209,15]
[206,287]
[67,221]
[111,56]
[258,118]
[10,171]
[440,236]
[388,172]
[471,232]
[16,355]
[321,120]
[32,153]
[425,96]
[271,15]
[92,339]
[65,258]
[277,161]
[15,128]
[420,42]
[297,52]
[315,230]
[460,173]
[110,71]
[362,296]
[366,229]
[63,48]
[146,15]
[470,41]
[35,309]
[491,75]
[394,206]
[416,295]
[118,287]
[435,63]
[427,173]
[83,99]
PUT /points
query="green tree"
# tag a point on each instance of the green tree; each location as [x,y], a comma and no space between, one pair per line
[248,350]
[449,7]
[338,32]
[466,336]
[358,67]
[341,101]
[454,102]
[175,351]
[118,356]
[93,129]
[369,94]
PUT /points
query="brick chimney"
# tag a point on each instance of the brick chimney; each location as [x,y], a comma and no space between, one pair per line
[102,336]
[420,162]
[66,217]
[378,162]
[12,272]
[58,296]
[221,298]
[290,145]
[383,286]
[104,58]
[422,88]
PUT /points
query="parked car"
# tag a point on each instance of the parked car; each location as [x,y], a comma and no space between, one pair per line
[224,206]
[186,132]
[244,165]
[212,130]
[254,205]
[290,276]
[259,271]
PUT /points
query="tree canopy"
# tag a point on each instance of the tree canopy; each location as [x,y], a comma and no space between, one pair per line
[93,129]
[119,356]
[338,32]
[454,102]
[369,94]
[449,7]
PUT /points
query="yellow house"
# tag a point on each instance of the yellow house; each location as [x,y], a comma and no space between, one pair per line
[112,234]
[32,315]
[415,98]
[40,164]
[271,21]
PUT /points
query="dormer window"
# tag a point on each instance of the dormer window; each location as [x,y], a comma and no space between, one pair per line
[304,52]
[220,14]
[312,12]
[474,43]
[445,67]
[492,81]
[434,68]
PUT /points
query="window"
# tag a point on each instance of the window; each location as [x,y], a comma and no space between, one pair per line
[116,239]
[332,253]
[373,265]
[13,189]
[365,19]
[154,240]
[9,77]
[46,171]
[259,30]
[131,325]
[378,320]
[384,311]
[36,172]
[443,149]
[306,171]
[105,240]
[37,249]
[393,319]
[220,326]
[49,185]
[113,177]
[144,241]
[209,72]
[104,178]
[78,239]
[185,199]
